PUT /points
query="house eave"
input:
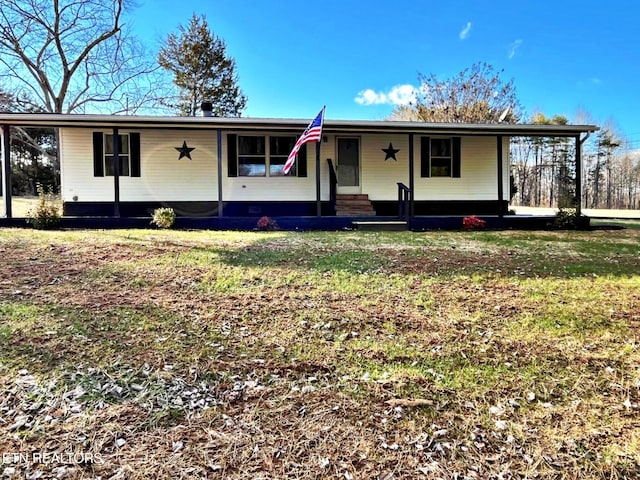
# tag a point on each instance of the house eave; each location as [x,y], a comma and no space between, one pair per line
[289,125]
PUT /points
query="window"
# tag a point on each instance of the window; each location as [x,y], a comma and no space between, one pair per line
[252,160]
[128,153]
[440,157]
[263,156]
[279,149]
[123,155]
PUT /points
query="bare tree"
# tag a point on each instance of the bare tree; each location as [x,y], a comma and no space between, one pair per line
[6,101]
[66,56]
[475,95]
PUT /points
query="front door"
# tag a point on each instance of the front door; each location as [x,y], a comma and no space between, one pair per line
[348,165]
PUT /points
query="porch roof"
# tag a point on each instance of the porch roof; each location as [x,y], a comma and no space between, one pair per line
[289,125]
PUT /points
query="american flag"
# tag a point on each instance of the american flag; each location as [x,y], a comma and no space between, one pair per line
[313,133]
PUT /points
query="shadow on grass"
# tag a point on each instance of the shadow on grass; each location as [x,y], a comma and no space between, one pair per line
[448,254]
[60,337]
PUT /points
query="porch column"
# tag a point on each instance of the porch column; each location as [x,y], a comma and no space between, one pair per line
[411,176]
[219,140]
[500,181]
[578,175]
[116,174]
[6,171]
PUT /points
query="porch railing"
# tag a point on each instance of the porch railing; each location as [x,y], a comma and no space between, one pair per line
[333,185]
[404,201]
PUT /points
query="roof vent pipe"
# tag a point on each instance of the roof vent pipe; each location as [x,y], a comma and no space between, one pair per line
[207,109]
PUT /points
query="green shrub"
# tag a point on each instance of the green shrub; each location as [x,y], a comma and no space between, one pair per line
[46,214]
[163,217]
[570,219]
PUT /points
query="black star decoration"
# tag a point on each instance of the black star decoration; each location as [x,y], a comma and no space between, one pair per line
[185,151]
[390,152]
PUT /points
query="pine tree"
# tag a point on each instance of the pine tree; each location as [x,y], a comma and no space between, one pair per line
[202,71]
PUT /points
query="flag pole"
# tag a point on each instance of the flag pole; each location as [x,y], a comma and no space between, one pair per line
[318,199]
[318,145]
[313,133]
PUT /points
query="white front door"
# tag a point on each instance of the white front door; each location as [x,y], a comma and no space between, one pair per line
[348,165]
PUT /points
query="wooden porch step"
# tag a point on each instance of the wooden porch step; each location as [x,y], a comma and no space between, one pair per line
[354,205]
[352,196]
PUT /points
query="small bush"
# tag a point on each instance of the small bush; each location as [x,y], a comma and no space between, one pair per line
[266,223]
[473,223]
[569,219]
[163,217]
[47,213]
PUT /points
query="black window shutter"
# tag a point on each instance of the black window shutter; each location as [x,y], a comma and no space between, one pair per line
[455,145]
[232,156]
[134,151]
[302,161]
[425,157]
[98,155]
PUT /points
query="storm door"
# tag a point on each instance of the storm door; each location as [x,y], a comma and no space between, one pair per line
[348,165]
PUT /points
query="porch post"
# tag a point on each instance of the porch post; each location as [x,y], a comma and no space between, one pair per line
[500,181]
[411,176]
[318,199]
[6,171]
[219,140]
[116,174]
[578,176]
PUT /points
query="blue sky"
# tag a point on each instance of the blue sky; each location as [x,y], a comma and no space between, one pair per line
[357,58]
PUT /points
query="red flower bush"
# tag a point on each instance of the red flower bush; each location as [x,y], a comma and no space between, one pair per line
[266,223]
[473,223]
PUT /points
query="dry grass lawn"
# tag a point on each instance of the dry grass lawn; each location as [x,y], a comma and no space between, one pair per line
[349,355]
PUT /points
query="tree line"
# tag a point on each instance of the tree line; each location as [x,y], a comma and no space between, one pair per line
[544,173]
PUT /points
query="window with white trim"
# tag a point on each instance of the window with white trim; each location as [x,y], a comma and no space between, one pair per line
[128,152]
[123,155]
[279,149]
[263,156]
[440,157]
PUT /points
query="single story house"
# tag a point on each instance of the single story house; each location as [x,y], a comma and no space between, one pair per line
[232,167]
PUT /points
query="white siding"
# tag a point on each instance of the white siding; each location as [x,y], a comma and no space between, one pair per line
[162,176]
[380,177]
[478,180]
[478,173]
[165,178]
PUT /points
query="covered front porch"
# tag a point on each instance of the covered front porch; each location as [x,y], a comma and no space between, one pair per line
[425,175]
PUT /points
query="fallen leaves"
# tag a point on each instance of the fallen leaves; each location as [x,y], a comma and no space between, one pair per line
[402,402]
[185,355]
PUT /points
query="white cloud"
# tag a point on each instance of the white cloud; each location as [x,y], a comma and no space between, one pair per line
[398,95]
[596,81]
[464,33]
[369,97]
[513,47]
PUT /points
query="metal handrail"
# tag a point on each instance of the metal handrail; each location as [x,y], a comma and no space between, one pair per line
[333,185]
[404,201]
